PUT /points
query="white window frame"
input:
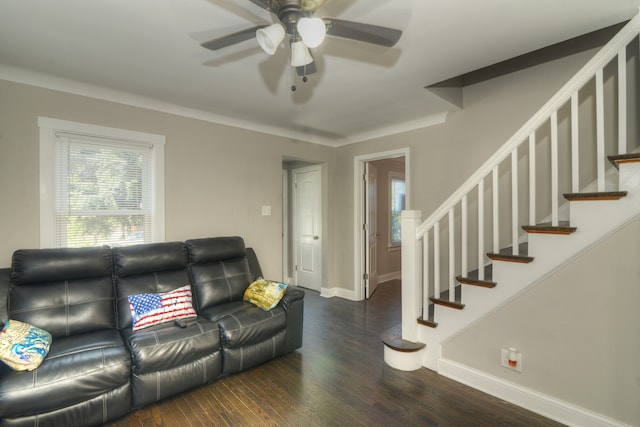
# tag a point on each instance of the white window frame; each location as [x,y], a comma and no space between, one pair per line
[399,176]
[49,127]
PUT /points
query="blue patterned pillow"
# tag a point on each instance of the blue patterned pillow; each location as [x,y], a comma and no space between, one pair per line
[23,347]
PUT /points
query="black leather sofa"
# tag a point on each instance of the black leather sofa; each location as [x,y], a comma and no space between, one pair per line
[97,368]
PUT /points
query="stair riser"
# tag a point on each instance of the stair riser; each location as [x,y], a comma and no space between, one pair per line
[629,176]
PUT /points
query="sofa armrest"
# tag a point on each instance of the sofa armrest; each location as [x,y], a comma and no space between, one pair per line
[254,265]
[293,303]
[5,280]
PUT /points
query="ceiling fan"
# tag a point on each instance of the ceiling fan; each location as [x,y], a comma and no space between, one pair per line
[305,31]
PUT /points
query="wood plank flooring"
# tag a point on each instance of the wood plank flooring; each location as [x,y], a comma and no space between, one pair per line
[338,378]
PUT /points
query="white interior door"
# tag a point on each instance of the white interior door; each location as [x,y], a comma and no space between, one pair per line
[371,228]
[307,219]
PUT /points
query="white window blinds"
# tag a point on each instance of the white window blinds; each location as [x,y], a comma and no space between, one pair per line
[99,185]
[103,191]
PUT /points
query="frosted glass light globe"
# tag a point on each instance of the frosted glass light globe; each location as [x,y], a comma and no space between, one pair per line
[312,31]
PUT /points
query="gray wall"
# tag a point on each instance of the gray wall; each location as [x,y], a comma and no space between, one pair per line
[578,331]
[442,157]
[216,177]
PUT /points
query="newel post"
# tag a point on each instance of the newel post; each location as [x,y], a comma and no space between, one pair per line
[411,275]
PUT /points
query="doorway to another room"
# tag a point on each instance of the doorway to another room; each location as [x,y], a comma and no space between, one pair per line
[302,238]
[381,182]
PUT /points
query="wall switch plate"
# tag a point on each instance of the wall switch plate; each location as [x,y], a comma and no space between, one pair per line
[266,210]
[504,360]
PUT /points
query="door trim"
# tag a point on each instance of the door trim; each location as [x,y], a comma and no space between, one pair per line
[296,219]
[359,213]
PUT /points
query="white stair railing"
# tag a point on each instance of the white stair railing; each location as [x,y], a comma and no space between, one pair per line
[427,265]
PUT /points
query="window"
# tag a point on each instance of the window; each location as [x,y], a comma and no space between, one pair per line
[397,193]
[99,185]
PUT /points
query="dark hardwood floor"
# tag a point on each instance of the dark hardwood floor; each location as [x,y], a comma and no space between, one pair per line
[338,378]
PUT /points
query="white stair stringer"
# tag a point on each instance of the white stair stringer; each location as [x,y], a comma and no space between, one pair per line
[594,220]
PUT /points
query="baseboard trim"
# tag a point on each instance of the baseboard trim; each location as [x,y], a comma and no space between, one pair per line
[396,275]
[531,400]
[338,292]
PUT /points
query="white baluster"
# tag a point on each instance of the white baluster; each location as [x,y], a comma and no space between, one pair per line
[481,229]
[600,156]
[622,101]
[436,260]
[554,169]
[452,256]
[532,178]
[575,145]
[464,268]
[426,277]
[496,213]
[514,203]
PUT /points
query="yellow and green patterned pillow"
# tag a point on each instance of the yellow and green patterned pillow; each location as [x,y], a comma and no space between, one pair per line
[265,294]
[23,347]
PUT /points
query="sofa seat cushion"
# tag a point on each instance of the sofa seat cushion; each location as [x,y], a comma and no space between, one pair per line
[251,325]
[217,312]
[168,346]
[77,369]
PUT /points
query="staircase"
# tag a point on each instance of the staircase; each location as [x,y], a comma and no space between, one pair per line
[535,205]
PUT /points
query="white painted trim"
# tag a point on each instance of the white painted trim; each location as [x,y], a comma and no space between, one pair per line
[394,275]
[48,128]
[358,209]
[403,360]
[432,120]
[45,81]
[548,406]
[338,292]
[285,225]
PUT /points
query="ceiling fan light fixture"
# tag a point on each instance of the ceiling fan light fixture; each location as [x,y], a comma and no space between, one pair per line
[300,55]
[312,31]
[269,38]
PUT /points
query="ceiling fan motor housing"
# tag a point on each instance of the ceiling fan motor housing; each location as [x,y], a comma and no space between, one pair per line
[289,12]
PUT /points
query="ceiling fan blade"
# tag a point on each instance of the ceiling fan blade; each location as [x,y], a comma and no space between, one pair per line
[270,5]
[231,39]
[375,34]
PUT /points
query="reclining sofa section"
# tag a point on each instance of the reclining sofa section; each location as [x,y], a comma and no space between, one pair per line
[98,368]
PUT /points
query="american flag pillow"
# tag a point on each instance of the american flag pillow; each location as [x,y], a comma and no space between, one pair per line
[153,309]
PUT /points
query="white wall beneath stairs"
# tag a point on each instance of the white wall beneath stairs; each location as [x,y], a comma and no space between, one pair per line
[577,331]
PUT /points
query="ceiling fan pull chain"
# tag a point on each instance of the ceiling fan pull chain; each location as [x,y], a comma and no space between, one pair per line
[293,79]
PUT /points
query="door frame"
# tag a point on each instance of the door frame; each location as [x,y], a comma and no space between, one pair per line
[359,211]
[295,223]
[285,226]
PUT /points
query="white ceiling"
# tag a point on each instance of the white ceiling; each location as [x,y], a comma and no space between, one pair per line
[148,53]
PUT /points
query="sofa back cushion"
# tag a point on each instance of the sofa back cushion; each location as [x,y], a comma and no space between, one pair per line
[219,270]
[147,269]
[66,291]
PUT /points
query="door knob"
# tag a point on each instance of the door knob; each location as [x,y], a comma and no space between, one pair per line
[316,237]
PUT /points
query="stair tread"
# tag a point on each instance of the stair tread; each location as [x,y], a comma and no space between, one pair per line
[563,227]
[476,282]
[473,274]
[509,257]
[506,254]
[624,158]
[393,338]
[601,195]
[451,304]
[429,322]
